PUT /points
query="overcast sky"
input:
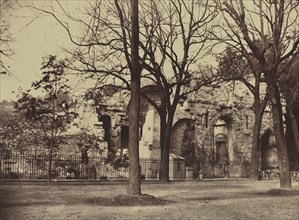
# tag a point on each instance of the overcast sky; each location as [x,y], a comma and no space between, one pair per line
[33,39]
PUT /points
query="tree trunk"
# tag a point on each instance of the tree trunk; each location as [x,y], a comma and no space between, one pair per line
[50,161]
[294,126]
[52,136]
[283,159]
[134,167]
[164,168]
[164,142]
[255,145]
[259,109]
[292,134]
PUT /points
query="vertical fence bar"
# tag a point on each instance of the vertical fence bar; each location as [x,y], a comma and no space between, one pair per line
[35,166]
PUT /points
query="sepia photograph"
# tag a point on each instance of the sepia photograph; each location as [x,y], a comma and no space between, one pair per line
[149,109]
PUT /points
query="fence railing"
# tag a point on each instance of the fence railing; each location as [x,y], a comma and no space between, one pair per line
[35,166]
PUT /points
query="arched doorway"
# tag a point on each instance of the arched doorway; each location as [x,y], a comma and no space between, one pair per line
[183,144]
[222,150]
[106,120]
[182,138]
[269,158]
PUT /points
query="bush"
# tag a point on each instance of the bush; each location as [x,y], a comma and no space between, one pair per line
[72,173]
[121,160]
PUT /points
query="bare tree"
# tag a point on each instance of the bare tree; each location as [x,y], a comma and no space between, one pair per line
[267,31]
[5,35]
[289,83]
[233,66]
[173,39]
[134,169]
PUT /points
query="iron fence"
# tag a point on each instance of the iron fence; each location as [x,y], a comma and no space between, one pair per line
[35,166]
[74,166]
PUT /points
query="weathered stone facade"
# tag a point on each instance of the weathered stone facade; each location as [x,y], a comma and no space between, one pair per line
[221,137]
[214,137]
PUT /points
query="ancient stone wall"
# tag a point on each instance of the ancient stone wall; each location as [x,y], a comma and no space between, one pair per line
[204,115]
[198,128]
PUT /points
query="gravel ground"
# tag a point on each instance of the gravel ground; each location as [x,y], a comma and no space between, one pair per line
[181,200]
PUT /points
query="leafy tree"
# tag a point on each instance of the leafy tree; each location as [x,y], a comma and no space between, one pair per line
[17,134]
[267,31]
[52,109]
[86,138]
[87,141]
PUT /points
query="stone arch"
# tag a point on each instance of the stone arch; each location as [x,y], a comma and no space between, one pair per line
[223,132]
[182,143]
[226,115]
[182,138]
[269,159]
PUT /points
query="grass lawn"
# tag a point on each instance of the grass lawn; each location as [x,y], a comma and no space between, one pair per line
[186,200]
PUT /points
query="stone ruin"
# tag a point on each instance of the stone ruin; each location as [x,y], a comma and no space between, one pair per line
[212,132]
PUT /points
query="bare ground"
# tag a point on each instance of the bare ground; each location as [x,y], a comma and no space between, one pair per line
[176,200]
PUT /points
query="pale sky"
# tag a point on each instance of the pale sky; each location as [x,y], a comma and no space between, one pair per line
[32,41]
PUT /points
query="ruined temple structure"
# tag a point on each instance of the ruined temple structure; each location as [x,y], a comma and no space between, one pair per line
[211,131]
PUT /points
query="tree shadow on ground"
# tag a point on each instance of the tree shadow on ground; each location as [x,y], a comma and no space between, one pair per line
[128,200]
[117,200]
